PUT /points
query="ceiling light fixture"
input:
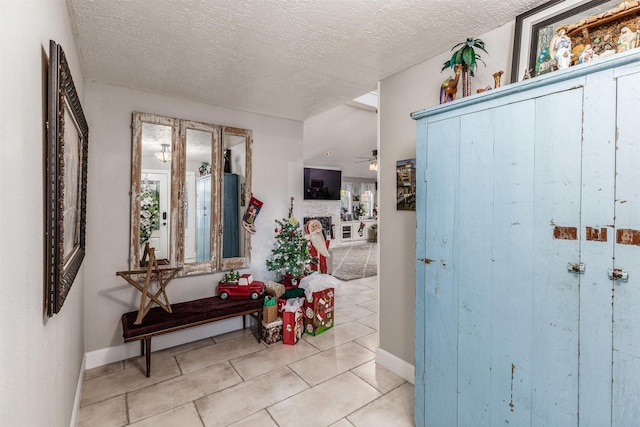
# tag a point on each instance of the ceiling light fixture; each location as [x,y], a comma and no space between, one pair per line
[373,165]
[165,155]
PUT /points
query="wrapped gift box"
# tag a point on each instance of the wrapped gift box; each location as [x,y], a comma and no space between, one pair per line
[292,326]
[318,311]
[272,332]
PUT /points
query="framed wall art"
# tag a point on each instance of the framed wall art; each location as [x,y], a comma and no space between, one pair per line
[66,182]
[406,185]
[595,29]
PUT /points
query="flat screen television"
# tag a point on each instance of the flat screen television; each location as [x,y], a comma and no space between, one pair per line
[322,184]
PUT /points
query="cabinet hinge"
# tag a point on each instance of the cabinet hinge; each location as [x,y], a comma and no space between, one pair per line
[425,176]
[424,377]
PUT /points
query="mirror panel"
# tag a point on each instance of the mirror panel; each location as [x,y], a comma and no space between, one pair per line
[236,189]
[200,208]
[152,211]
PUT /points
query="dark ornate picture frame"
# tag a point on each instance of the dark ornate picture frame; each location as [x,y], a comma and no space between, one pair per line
[66,182]
[530,23]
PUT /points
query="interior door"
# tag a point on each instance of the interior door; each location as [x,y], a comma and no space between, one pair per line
[626,291]
[157,181]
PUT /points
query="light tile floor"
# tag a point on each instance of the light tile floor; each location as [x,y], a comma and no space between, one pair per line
[232,380]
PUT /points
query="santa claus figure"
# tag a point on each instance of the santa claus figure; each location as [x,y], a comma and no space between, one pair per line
[319,246]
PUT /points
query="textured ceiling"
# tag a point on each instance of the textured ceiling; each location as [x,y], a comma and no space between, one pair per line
[285,58]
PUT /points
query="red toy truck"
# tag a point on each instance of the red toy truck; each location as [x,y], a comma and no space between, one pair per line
[245,287]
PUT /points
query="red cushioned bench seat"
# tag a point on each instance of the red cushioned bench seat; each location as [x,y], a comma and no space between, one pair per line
[186,315]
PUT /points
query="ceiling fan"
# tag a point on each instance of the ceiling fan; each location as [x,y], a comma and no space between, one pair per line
[373,160]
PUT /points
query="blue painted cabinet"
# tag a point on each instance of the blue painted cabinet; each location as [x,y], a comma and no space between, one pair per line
[528,269]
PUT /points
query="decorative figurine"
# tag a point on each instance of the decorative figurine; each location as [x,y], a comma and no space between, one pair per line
[450,86]
[628,40]
[560,48]
[319,245]
[497,76]
[587,54]
[245,287]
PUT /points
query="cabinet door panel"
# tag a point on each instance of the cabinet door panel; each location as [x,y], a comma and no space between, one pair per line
[626,322]
[555,291]
[441,291]
[598,184]
[511,292]
[475,268]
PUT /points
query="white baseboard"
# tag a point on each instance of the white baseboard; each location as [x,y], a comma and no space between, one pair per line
[395,364]
[108,355]
[78,398]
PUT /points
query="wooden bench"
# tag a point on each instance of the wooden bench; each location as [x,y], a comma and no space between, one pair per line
[186,315]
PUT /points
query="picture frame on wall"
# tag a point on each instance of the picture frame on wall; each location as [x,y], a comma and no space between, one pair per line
[66,182]
[406,185]
[534,30]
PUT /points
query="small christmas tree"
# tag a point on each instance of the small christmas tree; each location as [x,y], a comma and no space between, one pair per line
[290,256]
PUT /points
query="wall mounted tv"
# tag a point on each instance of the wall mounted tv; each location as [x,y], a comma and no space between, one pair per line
[322,184]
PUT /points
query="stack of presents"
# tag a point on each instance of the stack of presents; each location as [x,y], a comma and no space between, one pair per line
[308,308]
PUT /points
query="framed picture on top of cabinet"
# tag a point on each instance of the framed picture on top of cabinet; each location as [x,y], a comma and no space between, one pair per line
[66,182]
[406,185]
[563,33]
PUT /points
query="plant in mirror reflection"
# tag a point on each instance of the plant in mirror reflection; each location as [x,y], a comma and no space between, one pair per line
[149,214]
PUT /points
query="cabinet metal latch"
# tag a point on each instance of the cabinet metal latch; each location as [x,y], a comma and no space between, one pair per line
[618,274]
[576,267]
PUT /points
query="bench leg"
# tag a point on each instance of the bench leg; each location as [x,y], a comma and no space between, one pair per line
[147,344]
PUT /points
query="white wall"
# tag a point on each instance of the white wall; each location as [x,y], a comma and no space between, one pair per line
[40,357]
[414,89]
[277,175]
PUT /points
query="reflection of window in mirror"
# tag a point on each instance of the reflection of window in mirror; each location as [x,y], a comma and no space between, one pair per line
[367,200]
[190,182]
[345,205]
